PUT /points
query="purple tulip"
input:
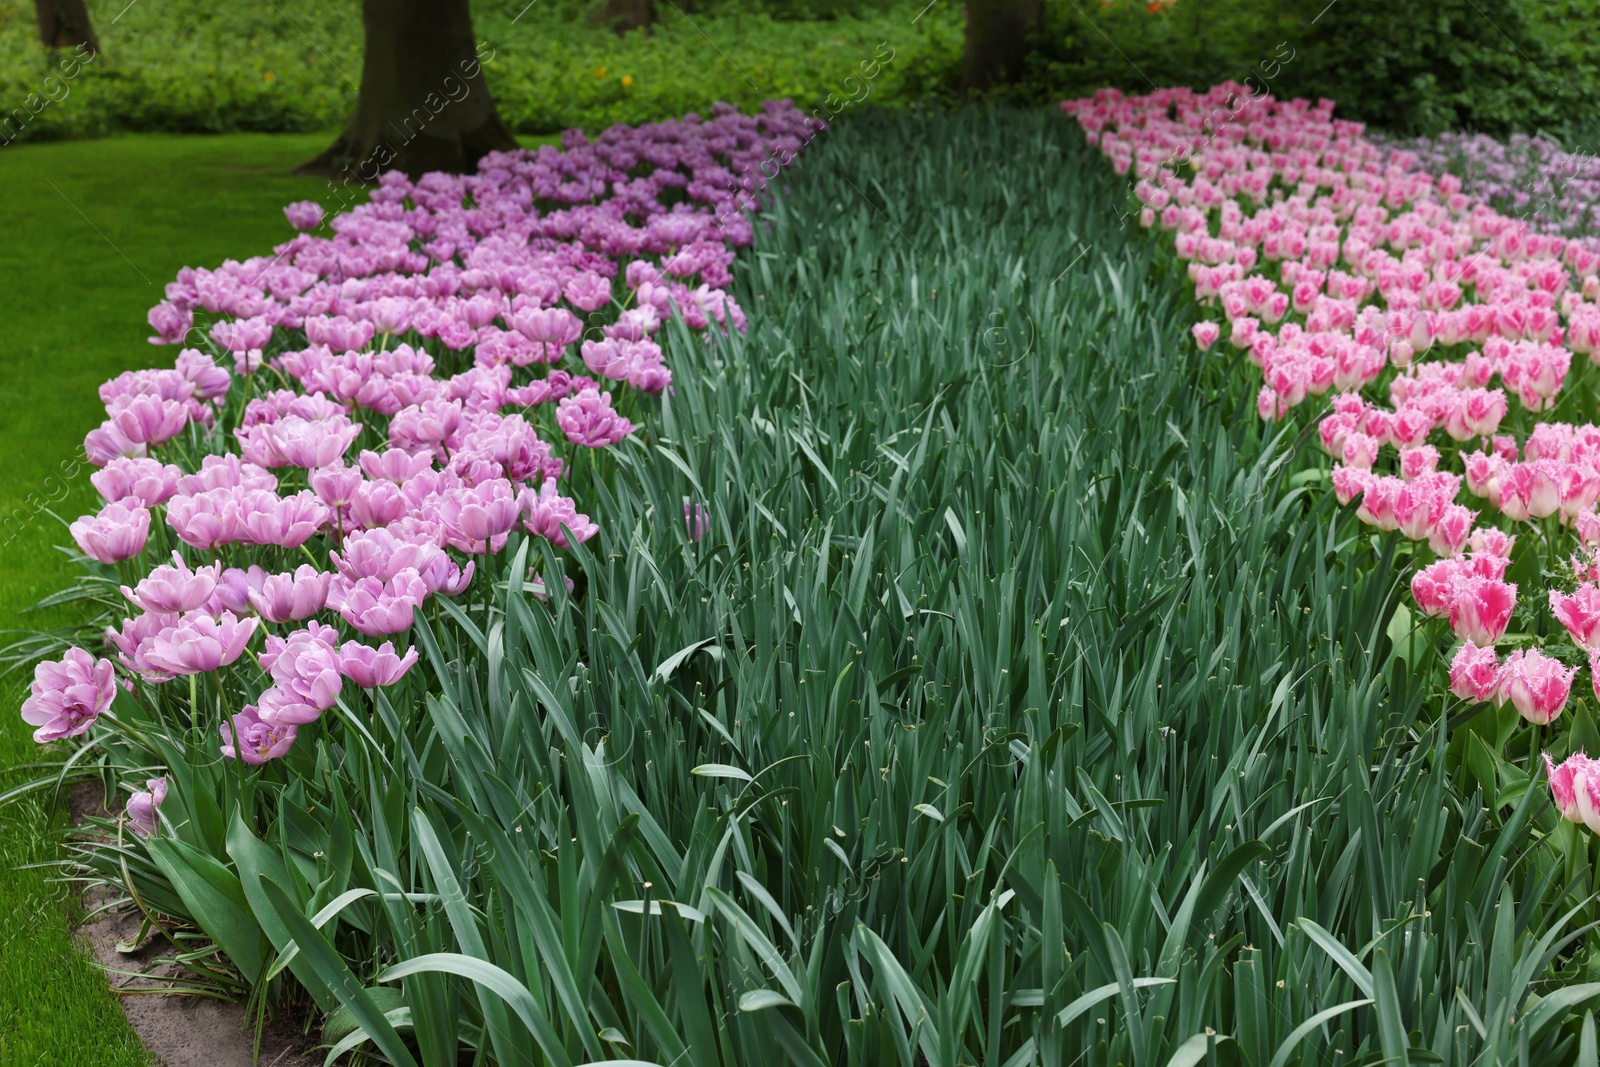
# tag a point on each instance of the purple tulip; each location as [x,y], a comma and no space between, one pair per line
[142,807]
[253,740]
[303,214]
[589,420]
[175,589]
[370,667]
[199,643]
[305,665]
[281,598]
[547,511]
[68,695]
[117,533]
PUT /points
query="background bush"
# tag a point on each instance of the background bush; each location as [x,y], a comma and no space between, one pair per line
[190,66]
[1419,67]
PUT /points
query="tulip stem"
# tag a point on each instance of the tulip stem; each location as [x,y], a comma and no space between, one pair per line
[194,706]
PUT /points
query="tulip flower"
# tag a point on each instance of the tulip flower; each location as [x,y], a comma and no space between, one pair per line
[117,533]
[247,737]
[198,643]
[1580,614]
[370,667]
[68,695]
[1475,673]
[1536,685]
[142,807]
[1481,609]
[280,598]
[175,589]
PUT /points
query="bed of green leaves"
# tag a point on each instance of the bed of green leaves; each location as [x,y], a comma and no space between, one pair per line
[193,66]
[1022,705]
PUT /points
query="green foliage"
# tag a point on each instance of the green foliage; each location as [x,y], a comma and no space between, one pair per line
[194,66]
[1424,67]
[1023,701]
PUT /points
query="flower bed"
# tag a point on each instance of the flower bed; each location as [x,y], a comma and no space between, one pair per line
[1529,178]
[1345,273]
[363,424]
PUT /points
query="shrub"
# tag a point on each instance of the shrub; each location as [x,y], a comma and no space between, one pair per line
[1488,65]
[195,67]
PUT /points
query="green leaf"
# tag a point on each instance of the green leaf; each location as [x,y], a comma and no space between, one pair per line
[336,975]
[721,770]
[215,899]
[1192,1051]
[760,999]
[1301,1032]
[497,981]
[1341,956]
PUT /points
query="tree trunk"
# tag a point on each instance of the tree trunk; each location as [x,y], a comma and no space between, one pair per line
[65,24]
[424,104]
[997,42]
[625,15]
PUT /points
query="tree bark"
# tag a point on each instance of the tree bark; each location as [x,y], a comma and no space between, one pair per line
[65,24]
[997,42]
[424,104]
[625,15]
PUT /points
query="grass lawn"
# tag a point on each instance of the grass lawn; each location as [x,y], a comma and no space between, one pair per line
[93,231]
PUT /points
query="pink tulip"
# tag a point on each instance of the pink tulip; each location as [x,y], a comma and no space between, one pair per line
[304,214]
[477,520]
[588,291]
[170,323]
[1575,787]
[1580,614]
[394,465]
[1481,610]
[1475,673]
[379,608]
[336,486]
[540,591]
[1536,685]
[382,554]
[287,522]
[696,520]
[589,420]
[206,520]
[1434,587]
[147,419]
[547,511]
[257,741]
[211,382]
[68,695]
[142,807]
